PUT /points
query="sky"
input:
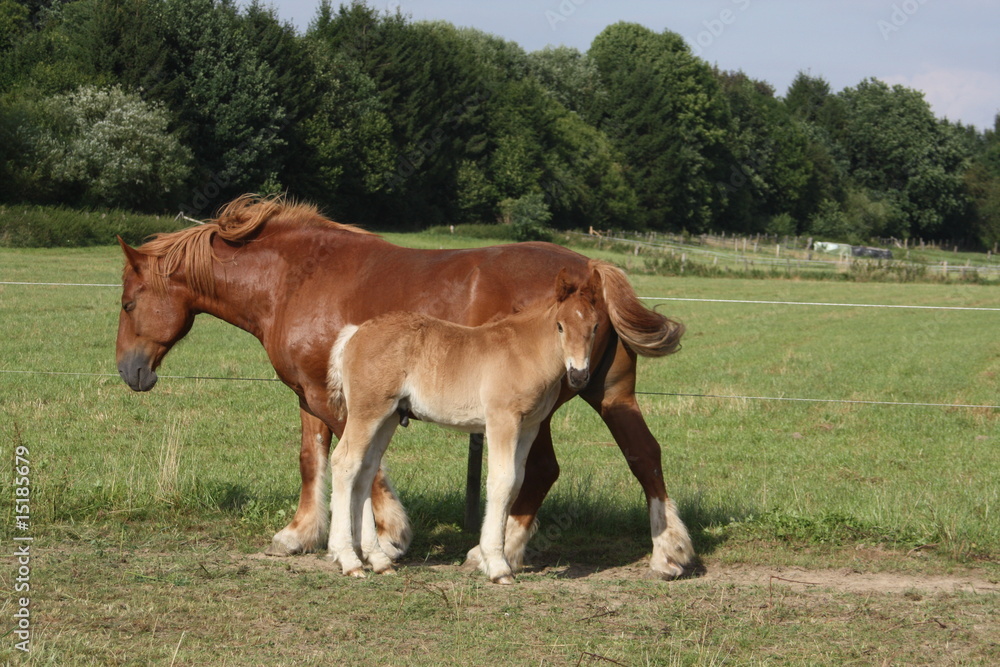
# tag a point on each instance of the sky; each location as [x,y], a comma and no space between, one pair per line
[948,49]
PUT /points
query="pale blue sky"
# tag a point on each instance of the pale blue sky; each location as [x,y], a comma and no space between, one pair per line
[949,49]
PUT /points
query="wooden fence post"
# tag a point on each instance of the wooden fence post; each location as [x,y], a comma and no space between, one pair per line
[473,480]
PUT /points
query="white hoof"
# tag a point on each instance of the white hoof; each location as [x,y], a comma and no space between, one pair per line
[285,543]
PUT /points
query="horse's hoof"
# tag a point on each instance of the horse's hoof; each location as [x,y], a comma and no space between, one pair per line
[357,573]
[473,559]
[668,571]
[393,550]
[387,570]
[504,580]
[280,549]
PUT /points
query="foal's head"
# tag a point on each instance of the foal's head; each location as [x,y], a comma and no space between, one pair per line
[577,319]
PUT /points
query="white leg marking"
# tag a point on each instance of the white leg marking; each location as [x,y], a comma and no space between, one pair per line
[672,549]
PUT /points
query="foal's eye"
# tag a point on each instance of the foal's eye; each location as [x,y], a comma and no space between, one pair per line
[128,307]
[595,327]
[559,326]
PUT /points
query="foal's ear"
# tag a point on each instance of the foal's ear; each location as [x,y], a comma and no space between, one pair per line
[132,256]
[564,288]
[595,285]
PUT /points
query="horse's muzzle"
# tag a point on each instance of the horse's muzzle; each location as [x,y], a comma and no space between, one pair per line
[578,378]
[135,371]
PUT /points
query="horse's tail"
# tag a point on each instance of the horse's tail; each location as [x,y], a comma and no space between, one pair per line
[645,331]
[335,374]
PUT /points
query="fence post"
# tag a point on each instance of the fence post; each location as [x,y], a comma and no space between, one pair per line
[473,479]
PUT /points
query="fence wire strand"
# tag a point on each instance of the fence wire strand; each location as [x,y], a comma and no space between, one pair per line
[642,393]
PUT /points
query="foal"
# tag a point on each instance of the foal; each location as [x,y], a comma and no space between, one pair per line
[503,377]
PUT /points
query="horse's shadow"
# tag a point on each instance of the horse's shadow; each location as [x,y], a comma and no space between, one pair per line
[577,537]
[574,539]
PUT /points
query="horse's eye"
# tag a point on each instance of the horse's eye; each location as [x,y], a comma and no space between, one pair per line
[128,307]
[595,327]
[559,326]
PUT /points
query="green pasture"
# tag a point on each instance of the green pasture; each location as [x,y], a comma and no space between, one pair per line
[147,509]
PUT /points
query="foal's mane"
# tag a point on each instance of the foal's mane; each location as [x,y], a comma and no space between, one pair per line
[240,222]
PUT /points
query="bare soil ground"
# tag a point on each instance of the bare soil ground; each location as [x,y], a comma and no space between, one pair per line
[796,578]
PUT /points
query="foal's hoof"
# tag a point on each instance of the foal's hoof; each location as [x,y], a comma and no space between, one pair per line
[386,570]
[357,573]
[504,580]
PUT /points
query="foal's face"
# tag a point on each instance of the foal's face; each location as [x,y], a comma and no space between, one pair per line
[576,322]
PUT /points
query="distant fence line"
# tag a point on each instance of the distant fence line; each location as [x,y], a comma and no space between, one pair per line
[744,253]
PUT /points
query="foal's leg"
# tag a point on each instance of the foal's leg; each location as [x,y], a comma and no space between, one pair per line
[391,522]
[308,529]
[615,400]
[508,449]
[540,472]
[345,464]
[364,520]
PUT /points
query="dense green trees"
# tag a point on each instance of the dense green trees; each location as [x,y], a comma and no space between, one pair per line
[182,104]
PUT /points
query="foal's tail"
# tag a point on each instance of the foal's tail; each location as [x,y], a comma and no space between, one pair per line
[645,331]
[335,373]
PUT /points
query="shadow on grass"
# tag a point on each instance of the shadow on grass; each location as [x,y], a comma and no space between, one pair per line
[584,532]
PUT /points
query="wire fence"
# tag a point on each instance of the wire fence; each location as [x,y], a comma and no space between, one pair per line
[643,393]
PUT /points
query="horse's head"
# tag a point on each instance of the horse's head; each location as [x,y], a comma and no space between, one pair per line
[577,320]
[154,316]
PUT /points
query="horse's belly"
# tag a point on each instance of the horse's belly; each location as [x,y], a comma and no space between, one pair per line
[454,409]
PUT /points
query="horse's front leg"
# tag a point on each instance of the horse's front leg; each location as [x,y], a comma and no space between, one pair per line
[307,530]
[614,399]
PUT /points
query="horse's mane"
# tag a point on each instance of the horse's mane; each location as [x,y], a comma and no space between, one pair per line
[240,221]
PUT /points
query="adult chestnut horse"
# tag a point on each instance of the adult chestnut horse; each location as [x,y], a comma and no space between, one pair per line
[293,279]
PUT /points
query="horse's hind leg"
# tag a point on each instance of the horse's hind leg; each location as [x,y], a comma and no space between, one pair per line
[615,401]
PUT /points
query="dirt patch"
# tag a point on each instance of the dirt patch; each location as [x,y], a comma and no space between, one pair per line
[842,580]
[851,581]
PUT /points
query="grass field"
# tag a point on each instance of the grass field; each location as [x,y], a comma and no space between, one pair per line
[147,511]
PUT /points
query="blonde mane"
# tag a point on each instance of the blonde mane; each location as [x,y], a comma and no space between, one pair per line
[238,222]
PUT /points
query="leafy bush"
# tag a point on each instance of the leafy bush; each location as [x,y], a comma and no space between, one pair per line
[831,223]
[528,215]
[107,147]
[782,224]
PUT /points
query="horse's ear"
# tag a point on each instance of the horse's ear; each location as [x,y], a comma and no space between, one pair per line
[564,288]
[132,256]
[595,285]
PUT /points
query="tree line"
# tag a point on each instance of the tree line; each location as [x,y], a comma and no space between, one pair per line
[157,105]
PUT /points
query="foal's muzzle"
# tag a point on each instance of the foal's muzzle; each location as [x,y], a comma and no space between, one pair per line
[135,371]
[578,378]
